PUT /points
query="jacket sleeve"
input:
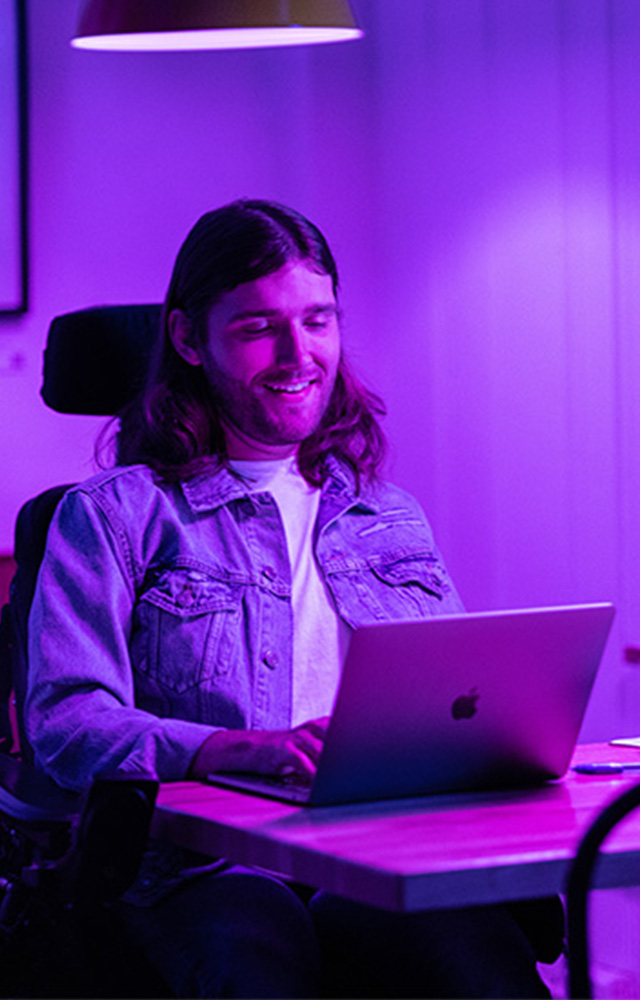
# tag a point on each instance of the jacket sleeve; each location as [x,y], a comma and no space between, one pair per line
[80,714]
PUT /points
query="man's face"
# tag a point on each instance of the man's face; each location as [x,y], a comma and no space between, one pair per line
[271,354]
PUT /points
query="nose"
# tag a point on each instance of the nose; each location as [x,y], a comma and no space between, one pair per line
[293,345]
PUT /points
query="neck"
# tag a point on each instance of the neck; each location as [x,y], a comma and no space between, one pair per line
[240,446]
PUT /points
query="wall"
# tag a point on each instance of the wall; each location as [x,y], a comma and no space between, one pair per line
[475,165]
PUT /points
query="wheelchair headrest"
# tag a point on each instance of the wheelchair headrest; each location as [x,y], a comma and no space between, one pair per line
[95,359]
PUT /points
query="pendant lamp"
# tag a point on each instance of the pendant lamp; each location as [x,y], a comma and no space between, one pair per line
[170,25]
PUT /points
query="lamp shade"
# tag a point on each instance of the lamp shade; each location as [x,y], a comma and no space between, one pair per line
[169,25]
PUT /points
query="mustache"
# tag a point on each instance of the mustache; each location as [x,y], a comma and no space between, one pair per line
[287,375]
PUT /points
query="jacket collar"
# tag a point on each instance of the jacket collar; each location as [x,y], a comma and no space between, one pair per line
[217,486]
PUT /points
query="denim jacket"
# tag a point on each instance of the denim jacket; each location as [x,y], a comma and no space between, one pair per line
[163,611]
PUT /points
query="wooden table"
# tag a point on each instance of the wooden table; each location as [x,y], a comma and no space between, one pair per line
[412,854]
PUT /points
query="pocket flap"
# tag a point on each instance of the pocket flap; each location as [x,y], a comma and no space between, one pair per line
[188,592]
[420,570]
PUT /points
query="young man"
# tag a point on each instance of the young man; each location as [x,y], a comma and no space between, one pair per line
[195,605]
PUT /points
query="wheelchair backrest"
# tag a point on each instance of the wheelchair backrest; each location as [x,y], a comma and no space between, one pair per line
[94,362]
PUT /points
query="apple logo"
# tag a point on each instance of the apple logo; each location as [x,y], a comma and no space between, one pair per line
[464,706]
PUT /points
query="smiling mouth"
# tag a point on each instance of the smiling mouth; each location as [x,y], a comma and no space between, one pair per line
[289,388]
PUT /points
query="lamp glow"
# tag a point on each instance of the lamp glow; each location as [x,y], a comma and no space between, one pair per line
[188,25]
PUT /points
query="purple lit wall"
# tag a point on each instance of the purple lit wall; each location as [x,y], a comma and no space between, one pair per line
[476,166]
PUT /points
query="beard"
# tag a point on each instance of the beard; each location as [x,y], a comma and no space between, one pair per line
[267,416]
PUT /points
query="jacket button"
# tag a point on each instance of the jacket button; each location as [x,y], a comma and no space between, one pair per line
[271,659]
[268,572]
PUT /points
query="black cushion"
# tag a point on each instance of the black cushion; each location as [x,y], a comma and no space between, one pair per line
[95,359]
[29,544]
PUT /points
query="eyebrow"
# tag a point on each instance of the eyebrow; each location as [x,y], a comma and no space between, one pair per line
[319,307]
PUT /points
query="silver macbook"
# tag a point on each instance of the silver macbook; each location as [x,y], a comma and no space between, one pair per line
[457,703]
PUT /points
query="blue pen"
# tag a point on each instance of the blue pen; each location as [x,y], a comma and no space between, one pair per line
[607,767]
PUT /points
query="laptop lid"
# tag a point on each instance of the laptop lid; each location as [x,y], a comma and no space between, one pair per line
[457,703]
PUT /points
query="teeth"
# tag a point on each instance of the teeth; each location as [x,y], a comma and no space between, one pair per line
[290,387]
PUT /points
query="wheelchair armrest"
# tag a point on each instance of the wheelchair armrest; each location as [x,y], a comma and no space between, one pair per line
[27,795]
[89,845]
[112,833]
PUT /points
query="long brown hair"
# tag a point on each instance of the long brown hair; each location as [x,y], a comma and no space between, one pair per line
[173,425]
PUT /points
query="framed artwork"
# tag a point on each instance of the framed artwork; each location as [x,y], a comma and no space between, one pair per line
[13,158]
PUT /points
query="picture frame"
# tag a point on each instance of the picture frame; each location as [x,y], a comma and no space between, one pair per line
[13,159]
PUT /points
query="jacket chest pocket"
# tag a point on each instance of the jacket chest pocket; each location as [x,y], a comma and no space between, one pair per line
[385,589]
[187,629]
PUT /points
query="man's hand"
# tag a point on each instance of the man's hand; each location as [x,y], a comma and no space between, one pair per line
[281,752]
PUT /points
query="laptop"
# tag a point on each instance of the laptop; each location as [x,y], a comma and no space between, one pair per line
[468,702]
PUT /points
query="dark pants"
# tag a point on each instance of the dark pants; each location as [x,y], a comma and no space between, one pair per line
[242,933]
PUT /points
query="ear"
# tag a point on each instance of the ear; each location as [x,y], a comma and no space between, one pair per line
[182,337]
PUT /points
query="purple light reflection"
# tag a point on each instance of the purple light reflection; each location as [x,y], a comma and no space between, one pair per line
[219,38]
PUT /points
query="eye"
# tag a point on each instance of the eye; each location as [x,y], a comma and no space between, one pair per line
[257,329]
[318,321]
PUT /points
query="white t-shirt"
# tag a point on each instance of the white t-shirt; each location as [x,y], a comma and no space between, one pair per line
[320,637]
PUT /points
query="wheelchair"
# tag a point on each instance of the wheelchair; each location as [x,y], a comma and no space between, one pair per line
[66,857]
